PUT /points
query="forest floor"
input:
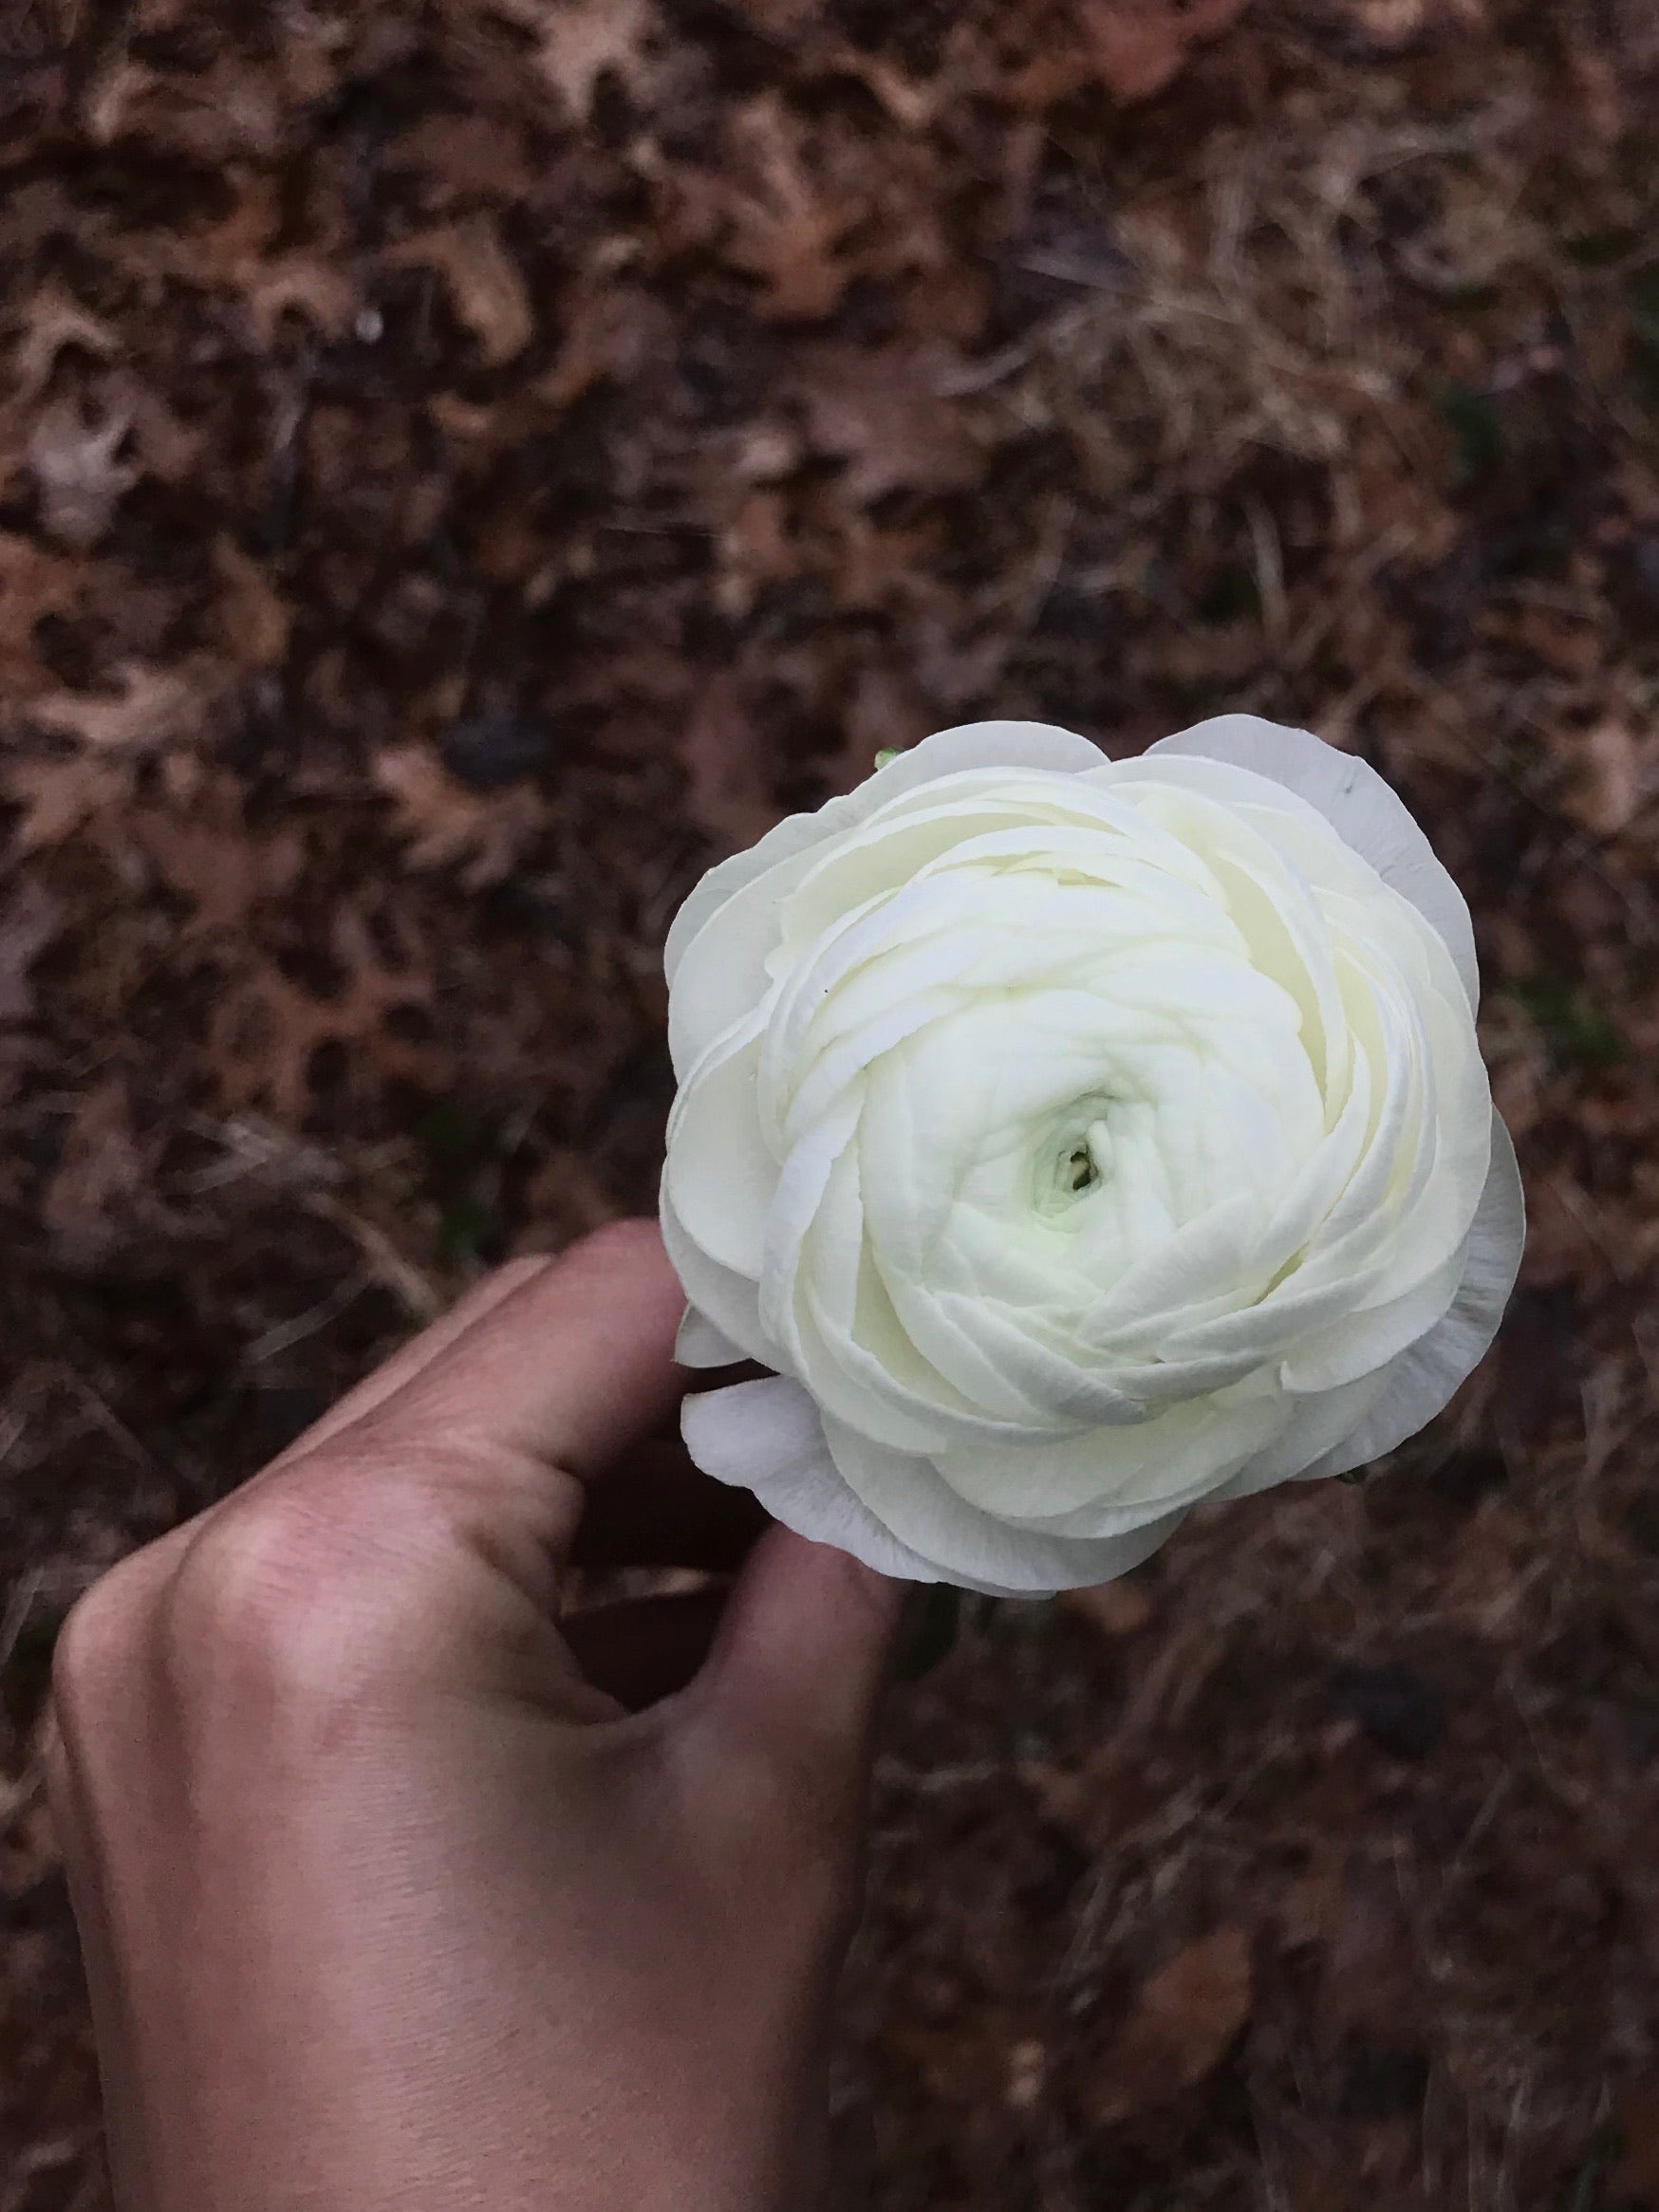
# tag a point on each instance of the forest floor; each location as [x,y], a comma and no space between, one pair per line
[465,464]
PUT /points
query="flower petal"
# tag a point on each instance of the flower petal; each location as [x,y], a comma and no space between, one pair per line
[947,753]
[1365,811]
[730,1301]
[910,1498]
[715,957]
[1425,1377]
[718,1174]
[767,1437]
[1421,1380]
[700,1344]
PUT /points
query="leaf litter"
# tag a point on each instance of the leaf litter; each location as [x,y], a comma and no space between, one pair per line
[462,468]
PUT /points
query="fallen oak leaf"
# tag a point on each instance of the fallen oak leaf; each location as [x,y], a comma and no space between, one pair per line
[1111,1608]
[609,330]
[76,463]
[725,764]
[163,445]
[1133,47]
[313,282]
[910,104]
[255,618]
[445,823]
[33,583]
[299,284]
[580,41]
[482,280]
[1140,47]
[1179,2028]
[210,861]
[154,707]
[223,114]
[110,96]
[783,232]
[265,1030]
[1616,772]
[51,321]
[100,1175]
[469,156]
[56,797]
[881,411]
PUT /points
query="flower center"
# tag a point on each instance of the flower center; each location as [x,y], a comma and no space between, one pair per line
[1080,1161]
[1089,1160]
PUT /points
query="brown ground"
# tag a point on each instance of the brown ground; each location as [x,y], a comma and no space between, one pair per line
[464,463]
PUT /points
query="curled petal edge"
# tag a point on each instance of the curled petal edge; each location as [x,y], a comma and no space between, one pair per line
[1364,810]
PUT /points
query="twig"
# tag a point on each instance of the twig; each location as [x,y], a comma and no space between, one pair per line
[282,1335]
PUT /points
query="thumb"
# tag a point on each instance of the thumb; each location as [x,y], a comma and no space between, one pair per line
[795,1679]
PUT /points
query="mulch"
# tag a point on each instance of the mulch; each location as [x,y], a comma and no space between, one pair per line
[464,465]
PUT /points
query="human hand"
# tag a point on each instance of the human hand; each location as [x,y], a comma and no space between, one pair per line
[387,1902]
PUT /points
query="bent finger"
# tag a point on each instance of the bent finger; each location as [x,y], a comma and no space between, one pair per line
[797,1672]
[413,1358]
[576,1365]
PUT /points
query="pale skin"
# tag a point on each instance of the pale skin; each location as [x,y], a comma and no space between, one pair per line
[388,1901]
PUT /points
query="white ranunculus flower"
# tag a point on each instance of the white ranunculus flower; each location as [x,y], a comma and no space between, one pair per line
[1079,1140]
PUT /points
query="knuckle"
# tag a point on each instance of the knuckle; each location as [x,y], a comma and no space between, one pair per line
[97,1647]
[304,1591]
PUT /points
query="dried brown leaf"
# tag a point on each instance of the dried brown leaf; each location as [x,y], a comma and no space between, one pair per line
[77,463]
[725,763]
[484,284]
[466,156]
[446,823]
[1179,2028]
[255,618]
[880,410]
[228,111]
[215,868]
[34,582]
[29,920]
[578,40]
[783,230]
[51,321]
[98,1173]
[314,281]
[1616,773]
[610,328]
[1140,47]
[263,1031]
[156,707]
[56,797]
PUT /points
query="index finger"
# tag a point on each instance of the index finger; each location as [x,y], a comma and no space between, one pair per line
[575,1365]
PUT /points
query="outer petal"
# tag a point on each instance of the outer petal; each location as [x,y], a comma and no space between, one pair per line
[907,1495]
[1421,1380]
[730,1302]
[718,1174]
[1366,812]
[969,745]
[700,1344]
[767,1437]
